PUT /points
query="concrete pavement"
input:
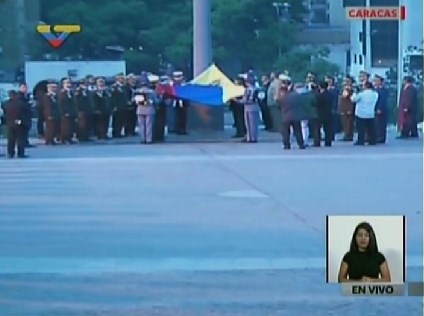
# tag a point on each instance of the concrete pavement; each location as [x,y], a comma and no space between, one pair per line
[195,229]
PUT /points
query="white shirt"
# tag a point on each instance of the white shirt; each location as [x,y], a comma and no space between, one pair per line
[365,103]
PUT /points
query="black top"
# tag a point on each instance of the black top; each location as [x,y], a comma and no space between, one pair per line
[363,264]
[324,105]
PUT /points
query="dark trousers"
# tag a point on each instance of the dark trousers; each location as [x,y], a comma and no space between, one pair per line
[57,129]
[67,128]
[336,125]
[52,130]
[297,130]
[118,120]
[239,122]
[159,124]
[266,116]
[327,126]
[16,137]
[347,125]
[27,129]
[101,125]
[381,128]
[89,120]
[40,122]
[82,130]
[410,129]
[130,121]
[181,120]
[366,130]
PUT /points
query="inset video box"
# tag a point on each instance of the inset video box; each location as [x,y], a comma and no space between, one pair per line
[366,253]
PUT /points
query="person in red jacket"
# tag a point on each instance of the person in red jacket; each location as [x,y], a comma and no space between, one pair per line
[408,108]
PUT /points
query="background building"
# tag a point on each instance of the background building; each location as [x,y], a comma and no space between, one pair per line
[380,46]
[326,25]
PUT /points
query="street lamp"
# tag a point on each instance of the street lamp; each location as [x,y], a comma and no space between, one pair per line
[283,15]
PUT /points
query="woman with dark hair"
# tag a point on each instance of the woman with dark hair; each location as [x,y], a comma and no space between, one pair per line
[364,262]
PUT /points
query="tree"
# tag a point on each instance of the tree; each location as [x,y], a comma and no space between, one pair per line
[301,60]
[250,31]
[247,32]
[159,28]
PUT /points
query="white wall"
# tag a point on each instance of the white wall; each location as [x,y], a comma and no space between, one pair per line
[390,240]
[356,48]
[337,14]
[40,70]
[338,55]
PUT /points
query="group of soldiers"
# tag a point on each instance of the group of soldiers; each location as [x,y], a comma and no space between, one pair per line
[312,107]
[69,112]
[77,113]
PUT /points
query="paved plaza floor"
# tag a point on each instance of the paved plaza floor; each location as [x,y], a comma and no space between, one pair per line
[191,228]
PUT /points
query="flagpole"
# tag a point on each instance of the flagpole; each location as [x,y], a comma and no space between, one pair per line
[367,57]
[400,56]
[202,42]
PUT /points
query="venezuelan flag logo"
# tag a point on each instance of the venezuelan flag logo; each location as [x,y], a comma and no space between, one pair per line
[61,33]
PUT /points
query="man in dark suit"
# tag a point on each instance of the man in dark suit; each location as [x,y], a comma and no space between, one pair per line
[408,108]
[263,97]
[15,121]
[334,92]
[26,100]
[289,102]
[325,118]
[381,109]
[119,100]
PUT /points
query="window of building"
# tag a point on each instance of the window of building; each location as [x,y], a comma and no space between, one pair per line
[384,42]
[318,3]
[360,59]
[348,58]
[318,12]
[382,3]
[354,59]
[319,16]
[354,3]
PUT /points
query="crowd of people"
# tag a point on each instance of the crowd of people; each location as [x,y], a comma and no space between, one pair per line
[84,111]
[309,108]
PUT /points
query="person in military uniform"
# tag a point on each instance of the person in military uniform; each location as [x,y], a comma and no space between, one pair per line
[251,109]
[159,122]
[119,101]
[146,103]
[346,109]
[180,107]
[91,83]
[101,109]
[265,111]
[38,93]
[15,113]
[311,78]
[68,111]
[51,114]
[85,111]
[364,77]
[130,120]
